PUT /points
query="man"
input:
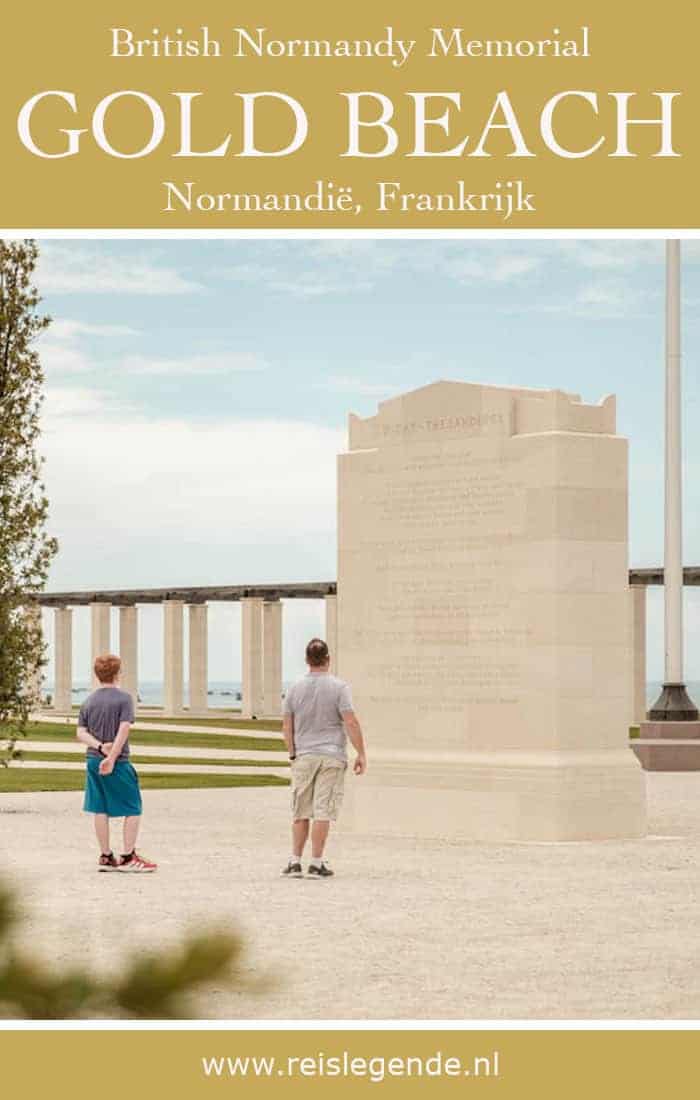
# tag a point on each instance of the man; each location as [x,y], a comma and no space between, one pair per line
[318,719]
[111,784]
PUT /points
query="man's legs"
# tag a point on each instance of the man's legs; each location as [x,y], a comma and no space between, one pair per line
[102,833]
[318,868]
[131,831]
[328,796]
[300,833]
[319,836]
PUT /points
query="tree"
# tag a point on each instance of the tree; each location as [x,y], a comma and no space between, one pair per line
[26,549]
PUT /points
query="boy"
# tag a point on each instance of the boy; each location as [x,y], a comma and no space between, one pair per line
[111,784]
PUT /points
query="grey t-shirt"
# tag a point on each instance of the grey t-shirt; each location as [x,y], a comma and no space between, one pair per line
[317,703]
[103,712]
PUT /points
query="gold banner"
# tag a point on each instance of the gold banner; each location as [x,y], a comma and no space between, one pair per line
[271,115]
[113,1065]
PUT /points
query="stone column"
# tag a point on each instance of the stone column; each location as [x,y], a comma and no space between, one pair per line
[100,634]
[34,683]
[199,680]
[63,659]
[173,670]
[129,650]
[252,657]
[638,615]
[272,659]
[332,630]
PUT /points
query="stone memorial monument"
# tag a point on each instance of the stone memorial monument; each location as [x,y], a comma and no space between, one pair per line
[483,616]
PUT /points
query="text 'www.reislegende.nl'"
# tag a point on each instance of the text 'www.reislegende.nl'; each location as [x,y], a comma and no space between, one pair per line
[375,1068]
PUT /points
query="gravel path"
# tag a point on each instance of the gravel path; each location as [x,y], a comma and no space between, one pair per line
[405,930]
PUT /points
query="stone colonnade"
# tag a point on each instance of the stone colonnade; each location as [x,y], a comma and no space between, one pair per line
[33,687]
[638,646]
[261,675]
[261,652]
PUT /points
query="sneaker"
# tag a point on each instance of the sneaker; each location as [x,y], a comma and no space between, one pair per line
[134,864]
[321,870]
[292,870]
[108,863]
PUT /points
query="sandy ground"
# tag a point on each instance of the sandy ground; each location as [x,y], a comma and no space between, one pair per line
[404,930]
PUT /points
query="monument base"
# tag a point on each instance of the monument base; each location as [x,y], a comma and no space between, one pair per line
[668,746]
[674,705]
[509,796]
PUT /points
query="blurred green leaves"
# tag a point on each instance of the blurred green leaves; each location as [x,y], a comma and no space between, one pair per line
[160,984]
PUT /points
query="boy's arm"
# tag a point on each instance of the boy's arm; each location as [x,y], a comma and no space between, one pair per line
[354,732]
[115,747]
[288,732]
[83,734]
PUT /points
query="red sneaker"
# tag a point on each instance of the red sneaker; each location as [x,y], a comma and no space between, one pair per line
[108,863]
[136,865]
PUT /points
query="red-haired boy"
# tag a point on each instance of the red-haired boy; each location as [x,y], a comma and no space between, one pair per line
[111,783]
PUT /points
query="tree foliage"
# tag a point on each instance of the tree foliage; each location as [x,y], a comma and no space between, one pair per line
[26,549]
[153,985]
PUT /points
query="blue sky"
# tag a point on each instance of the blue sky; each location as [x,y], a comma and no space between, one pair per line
[197,393]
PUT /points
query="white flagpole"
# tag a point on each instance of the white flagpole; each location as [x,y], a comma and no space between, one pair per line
[673,544]
[673,705]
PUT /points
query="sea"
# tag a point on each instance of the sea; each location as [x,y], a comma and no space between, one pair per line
[222,694]
[226,694]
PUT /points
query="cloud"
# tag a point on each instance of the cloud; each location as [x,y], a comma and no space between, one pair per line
[312,285]
[598,299]
[62,348]
[63,351]
[622,254]
[345,267]
[136,501]
[76,269]
[358,387]
[496,269]
[607,298]
[378,257]
[334,267]
[63,358]
[309,283]
[139,502]
[219,363]
[72,401]
[610,255]
[65,329]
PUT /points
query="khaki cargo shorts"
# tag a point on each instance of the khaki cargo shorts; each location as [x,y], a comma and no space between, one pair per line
[317,787]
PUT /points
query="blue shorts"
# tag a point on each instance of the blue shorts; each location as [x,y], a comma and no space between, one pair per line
[117,795]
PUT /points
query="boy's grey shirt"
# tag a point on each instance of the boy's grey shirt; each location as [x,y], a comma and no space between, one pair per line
[103,712]
[317,703]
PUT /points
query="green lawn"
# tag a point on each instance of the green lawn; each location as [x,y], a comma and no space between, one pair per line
[20,780]
[77,759]
[224,721]
[45,731]
[62,733]
[267,725]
